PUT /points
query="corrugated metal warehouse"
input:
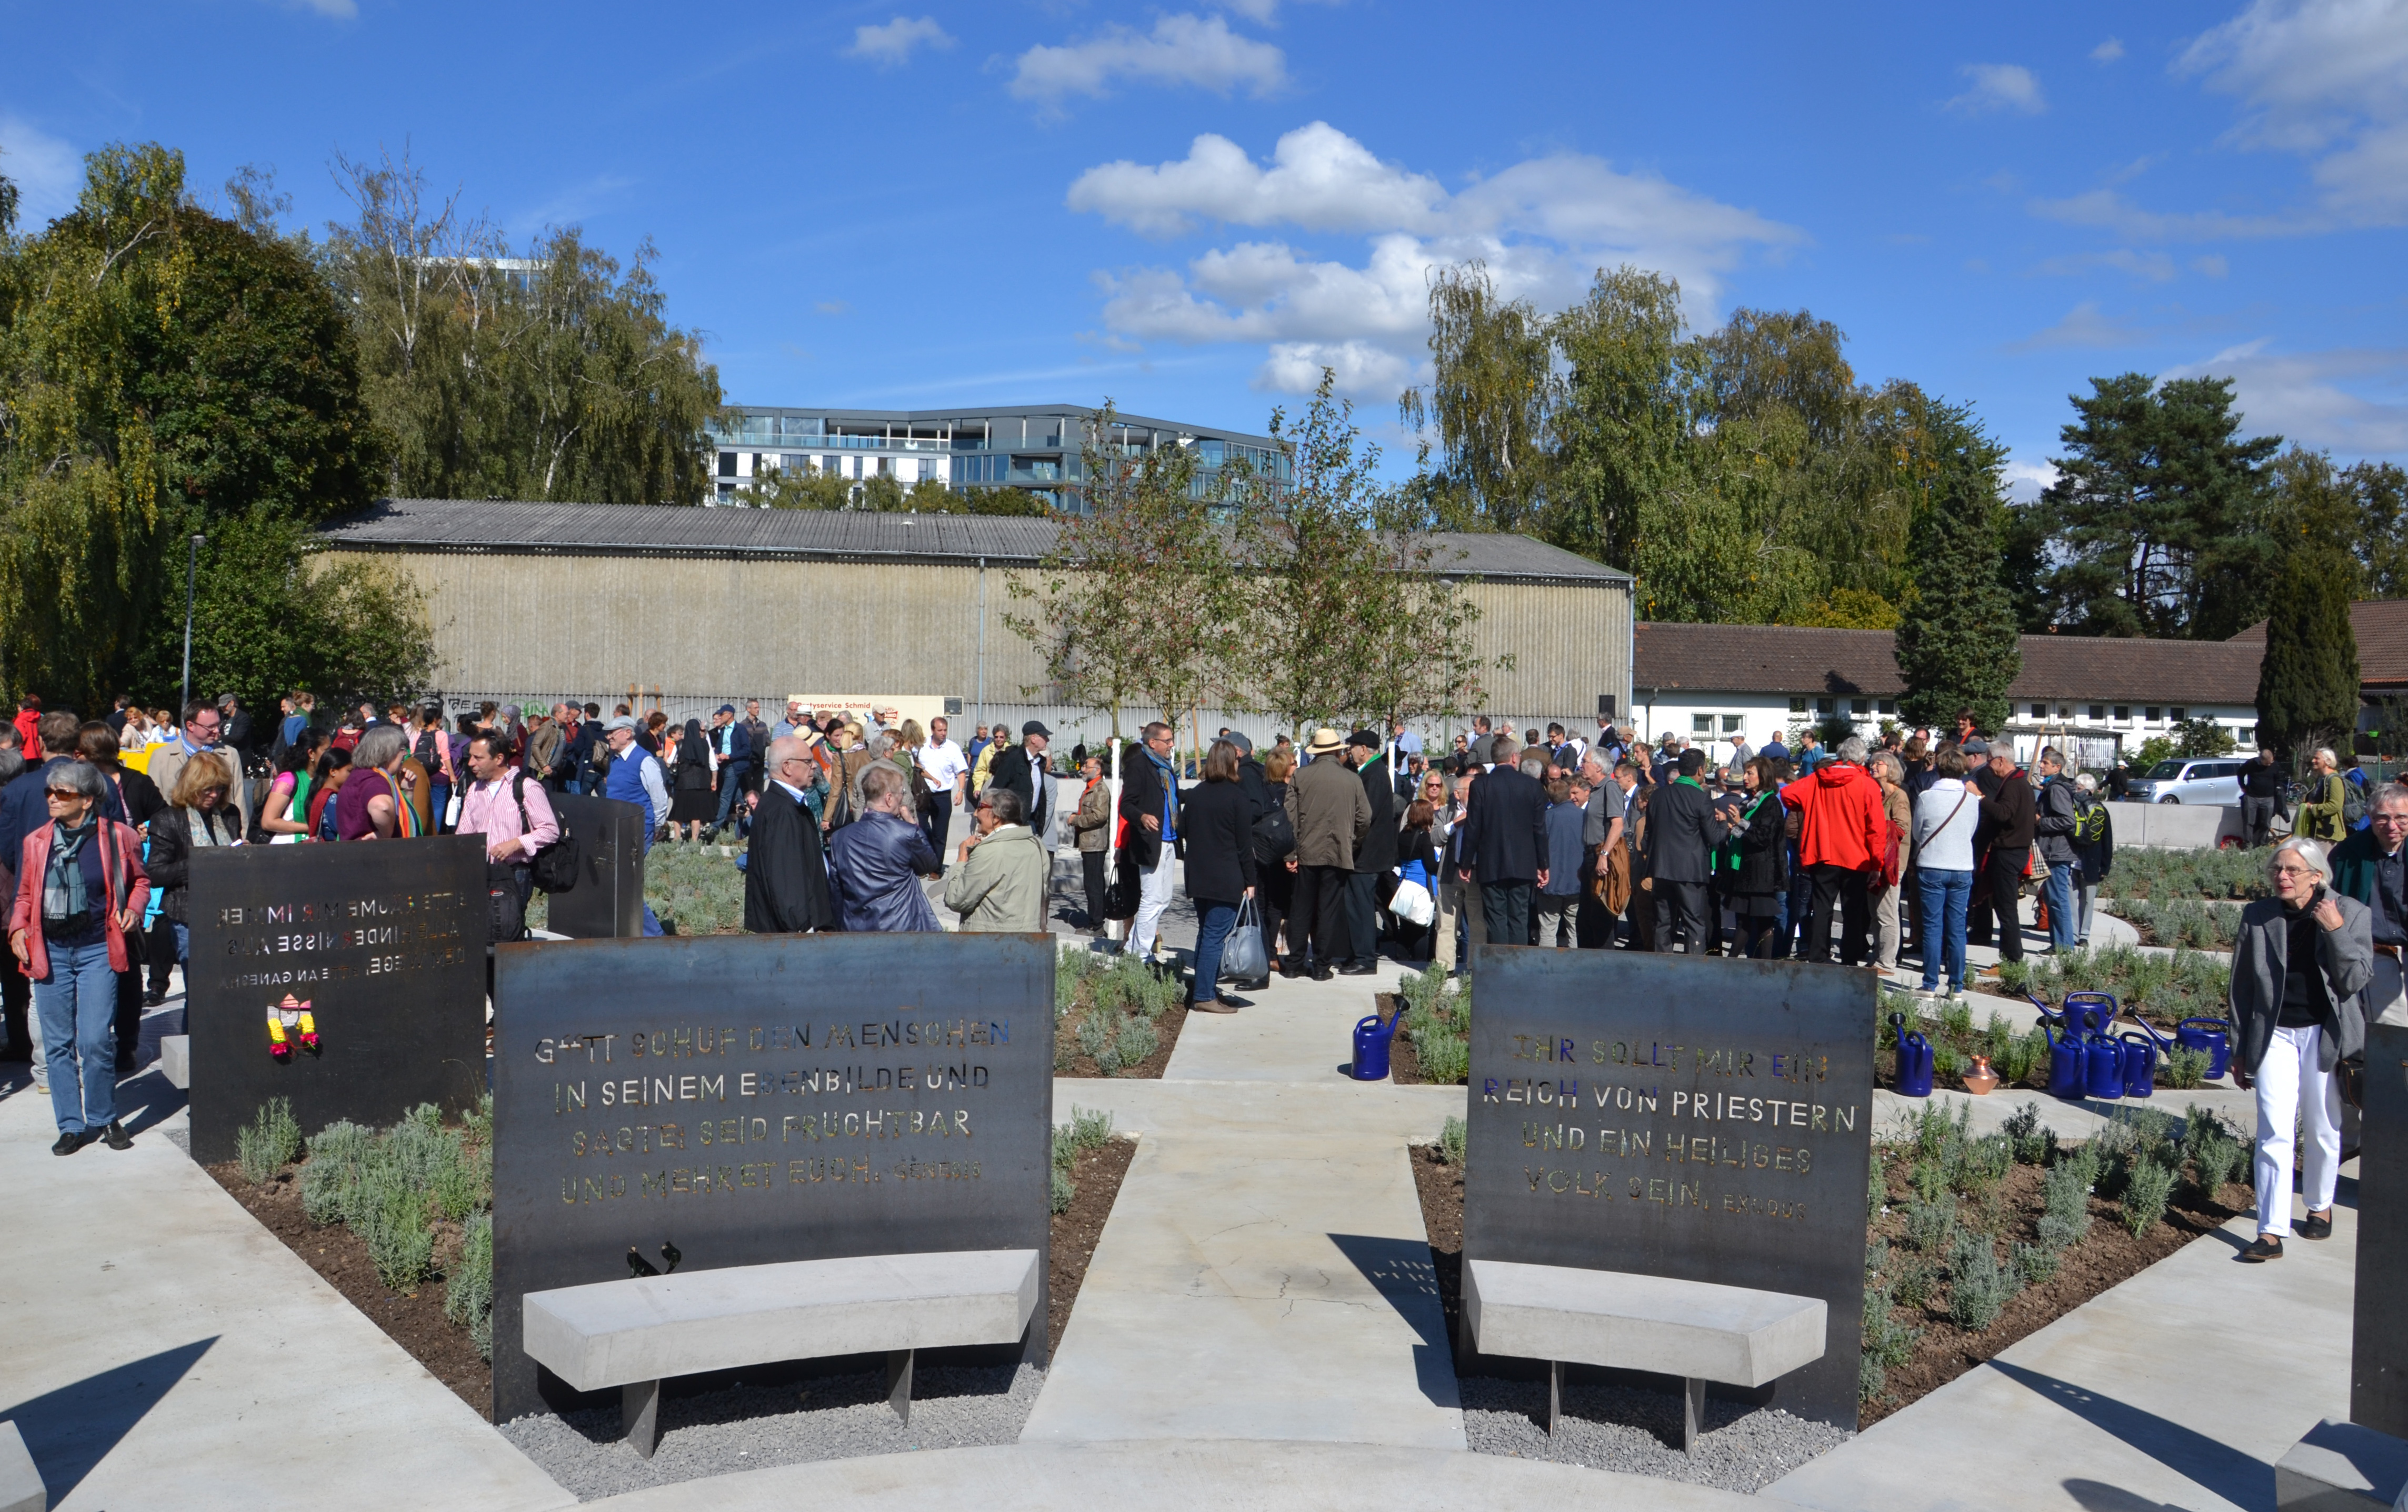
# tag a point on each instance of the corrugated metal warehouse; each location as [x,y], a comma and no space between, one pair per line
[688,608]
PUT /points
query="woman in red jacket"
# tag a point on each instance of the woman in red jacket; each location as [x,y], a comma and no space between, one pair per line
[79,890]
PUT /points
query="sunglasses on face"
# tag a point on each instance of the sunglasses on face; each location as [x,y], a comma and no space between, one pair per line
[63,795]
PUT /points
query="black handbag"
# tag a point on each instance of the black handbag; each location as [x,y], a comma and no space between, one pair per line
[553,869]
[1274,836]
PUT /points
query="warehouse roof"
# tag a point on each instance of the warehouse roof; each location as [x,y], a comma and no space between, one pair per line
[2380,626]
[1790,659]
[813,535]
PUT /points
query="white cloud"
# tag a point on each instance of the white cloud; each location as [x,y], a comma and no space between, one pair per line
[2116,212]
[2154,266]
[2000,86]
[2107,51]
[1543,227]
[1320,179]
[2025,479]
[48,173]
[1182,48]
[2300,397]
[2213,265]
[338,9]
[892,43]
[2321,76]
[2083,327]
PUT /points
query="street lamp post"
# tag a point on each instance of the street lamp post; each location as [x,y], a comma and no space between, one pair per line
[191,569]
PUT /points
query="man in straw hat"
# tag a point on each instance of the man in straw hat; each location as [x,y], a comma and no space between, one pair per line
[1331,814]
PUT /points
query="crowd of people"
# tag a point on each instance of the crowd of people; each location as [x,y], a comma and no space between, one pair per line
[1339,849]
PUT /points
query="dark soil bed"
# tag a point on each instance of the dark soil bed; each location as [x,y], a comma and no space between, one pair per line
[1077,1062]
[2109,1255]
[415,1320]
[1097,1174]
[1404,1061]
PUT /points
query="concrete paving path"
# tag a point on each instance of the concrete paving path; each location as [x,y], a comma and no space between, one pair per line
[1264,1274]
[1183,1476]
[162,1349]
[2178,1389]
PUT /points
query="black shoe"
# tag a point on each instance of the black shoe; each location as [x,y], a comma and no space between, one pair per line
[69,1143]
[152,1000]
[1290,970]
[1261,984]
[1322,973]
[117,1136]
[2264,1248]
[2313,1227]
[1358,968]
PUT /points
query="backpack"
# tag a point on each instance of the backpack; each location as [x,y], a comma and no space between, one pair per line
[2089,819]
[553,869]
[2353,805]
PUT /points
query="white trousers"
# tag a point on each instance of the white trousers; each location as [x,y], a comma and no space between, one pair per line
[1153,897]
[2291,1087]
[2384,1001]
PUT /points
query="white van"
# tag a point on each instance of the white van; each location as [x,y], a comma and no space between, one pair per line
[2191,780]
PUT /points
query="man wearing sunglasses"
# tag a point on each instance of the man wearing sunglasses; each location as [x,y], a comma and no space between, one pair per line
[2372,866]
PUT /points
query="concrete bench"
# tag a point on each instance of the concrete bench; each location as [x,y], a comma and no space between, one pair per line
[2342,1468]
[21,1484]
[1695,1330]
[633,1333]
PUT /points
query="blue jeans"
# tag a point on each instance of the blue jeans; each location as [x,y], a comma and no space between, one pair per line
[652,925]
[183,946]
[2064,928]
[78,1006]
[1941,919]
[439,798]
[731,792]
[1214,921]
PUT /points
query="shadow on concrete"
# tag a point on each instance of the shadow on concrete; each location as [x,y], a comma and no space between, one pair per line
[2097,1496]
[2220,1468]
[71,1429]
[146,1099]
[1402,1272]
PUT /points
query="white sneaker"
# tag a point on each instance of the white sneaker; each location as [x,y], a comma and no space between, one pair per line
[41,1077]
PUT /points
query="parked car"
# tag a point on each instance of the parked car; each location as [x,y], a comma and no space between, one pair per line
[2191,780]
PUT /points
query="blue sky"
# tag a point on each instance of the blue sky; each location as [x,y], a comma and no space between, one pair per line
[1190,208]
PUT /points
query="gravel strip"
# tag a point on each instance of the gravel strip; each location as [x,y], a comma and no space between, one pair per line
[750,1428]
[1637,1431]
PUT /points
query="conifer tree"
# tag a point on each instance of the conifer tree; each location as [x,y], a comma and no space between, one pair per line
[2307,680]
[1957,645]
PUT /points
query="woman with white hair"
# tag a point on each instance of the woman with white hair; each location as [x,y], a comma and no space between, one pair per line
[2302,961]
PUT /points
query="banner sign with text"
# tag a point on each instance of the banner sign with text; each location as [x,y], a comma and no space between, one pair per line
[754,1099]
[1700,1118]
[347,978]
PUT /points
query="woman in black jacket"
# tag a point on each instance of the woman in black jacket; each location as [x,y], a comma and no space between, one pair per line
[1416,847]
[1274,842]
[692,803]
[1216,828]
[200,816]
[1756,889]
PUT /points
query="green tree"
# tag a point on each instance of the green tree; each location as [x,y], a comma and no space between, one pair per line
[2380,538]
[552,373]
[1494,387]
[2307,679]
[1139,601]
[2202,737]
[2157,515]
[1956,643]
[1356,615]
[166,371]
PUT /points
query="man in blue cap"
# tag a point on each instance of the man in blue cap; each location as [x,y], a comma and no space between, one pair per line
[732,744]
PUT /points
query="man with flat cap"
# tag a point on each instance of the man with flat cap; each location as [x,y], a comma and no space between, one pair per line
[1021,770]
[1373,855]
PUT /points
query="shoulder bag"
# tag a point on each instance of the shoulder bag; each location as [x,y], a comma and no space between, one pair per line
[553,869]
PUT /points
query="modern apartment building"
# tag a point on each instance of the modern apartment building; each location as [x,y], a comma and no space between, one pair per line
[1038,447]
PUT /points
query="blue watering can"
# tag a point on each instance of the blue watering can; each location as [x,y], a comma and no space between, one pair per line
[1913,1059]
[2207,1034]
[2068,1059]
[1372,1039]
[2140,1063]
[2094,1014]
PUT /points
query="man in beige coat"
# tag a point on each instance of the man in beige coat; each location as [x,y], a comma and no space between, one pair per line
[203,729]
[999,883]
[1326,803]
